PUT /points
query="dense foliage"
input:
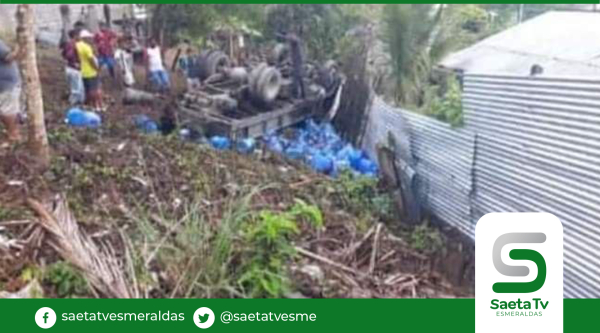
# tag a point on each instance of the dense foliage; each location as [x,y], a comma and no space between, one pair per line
[197,21]
[321,26]
[416,37]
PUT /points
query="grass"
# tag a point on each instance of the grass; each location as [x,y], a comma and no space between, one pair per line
[198,248]
[243,253]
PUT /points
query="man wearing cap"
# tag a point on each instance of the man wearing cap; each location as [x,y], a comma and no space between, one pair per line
[10,91]
[89,70]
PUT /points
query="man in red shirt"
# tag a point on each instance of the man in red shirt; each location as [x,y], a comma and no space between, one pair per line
[105,41]
[73,69]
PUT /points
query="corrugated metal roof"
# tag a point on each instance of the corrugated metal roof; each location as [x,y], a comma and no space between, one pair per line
[563,43]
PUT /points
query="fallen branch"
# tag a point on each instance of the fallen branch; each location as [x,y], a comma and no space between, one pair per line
[358,244]
[303,183]
[374,249]
[99,265]
[329,262]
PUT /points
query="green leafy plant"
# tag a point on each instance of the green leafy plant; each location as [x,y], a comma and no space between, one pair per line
[321,26]
[449,108]
[473,18]
[62,134]
[362,196]
[426,239]
[67,281]
[269,248]
[416,40]
[310,213]
[31,273]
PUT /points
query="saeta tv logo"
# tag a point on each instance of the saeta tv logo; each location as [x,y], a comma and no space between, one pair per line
[519,254]
[518,272]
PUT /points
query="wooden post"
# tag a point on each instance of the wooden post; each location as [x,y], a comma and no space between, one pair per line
[38,140]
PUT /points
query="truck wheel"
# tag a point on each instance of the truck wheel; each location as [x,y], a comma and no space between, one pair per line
[266,84]
[217,61]
[254,76]
[211,62]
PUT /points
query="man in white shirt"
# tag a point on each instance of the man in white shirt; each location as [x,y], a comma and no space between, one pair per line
[157,74]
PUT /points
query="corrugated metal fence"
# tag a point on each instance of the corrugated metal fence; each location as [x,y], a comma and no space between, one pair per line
[528,144]
[441,156]
[538,149]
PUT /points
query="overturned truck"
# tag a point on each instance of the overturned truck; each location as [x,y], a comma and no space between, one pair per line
[256,98]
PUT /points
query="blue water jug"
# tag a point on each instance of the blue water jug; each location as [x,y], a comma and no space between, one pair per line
[145,124]
[246,146]
[322,163]
[295,151]
[79,118]
[366,167]
[220,142]
[355,157]
[274,144]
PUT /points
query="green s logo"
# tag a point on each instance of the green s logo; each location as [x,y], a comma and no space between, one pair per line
[519,254]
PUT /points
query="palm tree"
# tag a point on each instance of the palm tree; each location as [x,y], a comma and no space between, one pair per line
[416,40]
[38,140]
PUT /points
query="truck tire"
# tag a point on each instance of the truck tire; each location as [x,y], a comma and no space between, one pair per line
[254,76]
[265,83]
[217,61]
[210,63]
[269,84]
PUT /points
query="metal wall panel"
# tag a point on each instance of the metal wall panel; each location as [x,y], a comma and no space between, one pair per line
[538,149]
[442,157]
[528,144]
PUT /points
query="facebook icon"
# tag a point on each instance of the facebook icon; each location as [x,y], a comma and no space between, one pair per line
[45,317]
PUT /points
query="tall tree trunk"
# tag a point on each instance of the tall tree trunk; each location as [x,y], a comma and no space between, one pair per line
[157,21]
[65,15]
[352,115]
[92,18]
[38,141]
[107,15]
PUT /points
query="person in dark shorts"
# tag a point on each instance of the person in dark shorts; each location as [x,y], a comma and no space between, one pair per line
[89,70]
